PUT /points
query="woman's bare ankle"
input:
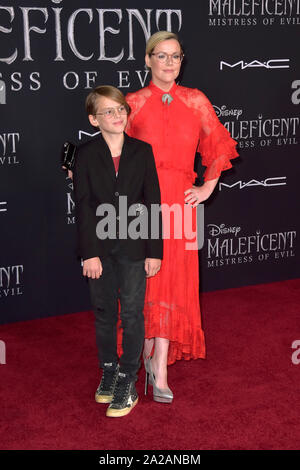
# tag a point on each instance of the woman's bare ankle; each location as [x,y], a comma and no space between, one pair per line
[148,346]
[161,374]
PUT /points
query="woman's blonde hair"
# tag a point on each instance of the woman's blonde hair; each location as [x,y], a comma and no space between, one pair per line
[158,37]
[109,92]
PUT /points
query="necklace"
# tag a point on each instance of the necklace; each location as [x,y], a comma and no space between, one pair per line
[166,98]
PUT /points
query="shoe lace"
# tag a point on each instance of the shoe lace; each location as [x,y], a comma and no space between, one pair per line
[107,378]
[121,390]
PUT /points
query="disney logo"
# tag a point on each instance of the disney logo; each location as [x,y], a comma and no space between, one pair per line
[222,230]
[223,111]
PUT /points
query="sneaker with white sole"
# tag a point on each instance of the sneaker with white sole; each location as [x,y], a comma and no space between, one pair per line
[125,397]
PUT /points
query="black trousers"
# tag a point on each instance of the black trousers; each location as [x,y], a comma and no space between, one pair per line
[125,280]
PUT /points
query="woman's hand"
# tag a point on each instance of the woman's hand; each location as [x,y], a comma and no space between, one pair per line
[152,266]
[92,267]
[198,194]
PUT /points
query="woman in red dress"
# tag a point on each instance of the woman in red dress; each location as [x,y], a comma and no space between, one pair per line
[177,121]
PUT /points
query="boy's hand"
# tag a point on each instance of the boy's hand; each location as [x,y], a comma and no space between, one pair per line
[152,266]
[70,173]
[92,267]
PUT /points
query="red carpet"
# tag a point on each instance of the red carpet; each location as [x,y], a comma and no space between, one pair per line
[245,395]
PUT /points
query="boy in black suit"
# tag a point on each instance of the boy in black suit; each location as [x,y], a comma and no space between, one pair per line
[111,170]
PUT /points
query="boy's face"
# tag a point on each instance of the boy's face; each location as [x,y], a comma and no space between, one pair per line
[109,117]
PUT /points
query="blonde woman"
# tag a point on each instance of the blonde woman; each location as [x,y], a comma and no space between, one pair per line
[177,121]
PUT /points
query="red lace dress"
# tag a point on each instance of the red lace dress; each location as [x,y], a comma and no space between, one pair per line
[176,131]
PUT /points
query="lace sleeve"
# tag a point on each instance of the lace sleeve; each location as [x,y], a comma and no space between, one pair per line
[136,101]
[130,98]
[215,145]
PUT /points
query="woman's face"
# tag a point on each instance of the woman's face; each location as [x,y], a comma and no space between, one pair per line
[164,72]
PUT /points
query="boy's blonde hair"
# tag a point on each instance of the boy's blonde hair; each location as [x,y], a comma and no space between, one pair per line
[109,92]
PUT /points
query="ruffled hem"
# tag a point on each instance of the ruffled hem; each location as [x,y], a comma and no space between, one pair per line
[217,149]
[187,340]
[178,351]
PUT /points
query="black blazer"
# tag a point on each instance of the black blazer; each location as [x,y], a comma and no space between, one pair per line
[95,183]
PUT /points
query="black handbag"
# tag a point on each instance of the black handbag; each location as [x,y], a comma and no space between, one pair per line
[68,155]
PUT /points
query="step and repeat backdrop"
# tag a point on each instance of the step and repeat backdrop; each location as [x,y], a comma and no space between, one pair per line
[243,54]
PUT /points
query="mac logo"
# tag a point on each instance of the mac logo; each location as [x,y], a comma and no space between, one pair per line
[268,64]
[81,133]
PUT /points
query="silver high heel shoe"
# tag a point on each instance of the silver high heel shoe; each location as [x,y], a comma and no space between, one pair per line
[162,395]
